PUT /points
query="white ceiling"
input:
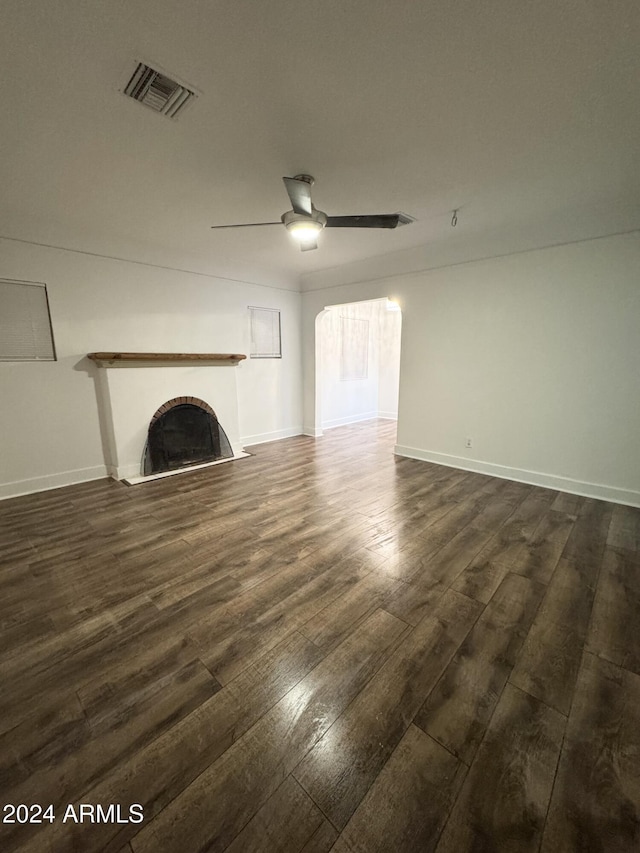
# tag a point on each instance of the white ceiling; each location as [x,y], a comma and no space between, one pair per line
[522,114]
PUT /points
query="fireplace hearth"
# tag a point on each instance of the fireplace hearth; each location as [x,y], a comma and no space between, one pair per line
[184,432]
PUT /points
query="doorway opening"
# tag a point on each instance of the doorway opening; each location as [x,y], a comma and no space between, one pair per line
[357,362]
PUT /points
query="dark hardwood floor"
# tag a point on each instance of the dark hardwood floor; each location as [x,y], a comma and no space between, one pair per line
[321,647]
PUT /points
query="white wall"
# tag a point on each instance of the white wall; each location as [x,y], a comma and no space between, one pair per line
[50,432]
[535,356]
[389,363]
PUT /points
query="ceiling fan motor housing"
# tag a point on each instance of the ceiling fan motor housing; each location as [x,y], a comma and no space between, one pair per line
[291,218]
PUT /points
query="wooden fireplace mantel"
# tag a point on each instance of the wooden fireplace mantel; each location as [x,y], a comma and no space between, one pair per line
[108,359]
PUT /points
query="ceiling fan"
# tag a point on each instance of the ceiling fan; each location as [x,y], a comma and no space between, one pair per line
[305,222]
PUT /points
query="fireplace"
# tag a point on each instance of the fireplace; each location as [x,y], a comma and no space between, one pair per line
[131,386]
[184,431]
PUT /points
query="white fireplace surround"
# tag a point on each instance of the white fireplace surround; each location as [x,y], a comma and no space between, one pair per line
[130,391]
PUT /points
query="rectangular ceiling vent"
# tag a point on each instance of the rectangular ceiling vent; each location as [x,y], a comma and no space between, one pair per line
[405,219]
[154,89]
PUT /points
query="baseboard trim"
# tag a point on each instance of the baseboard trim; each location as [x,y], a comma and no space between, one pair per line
[350,419]
[312,432]
[123,472]
[533,478]
[276,435]
[51,481]
[388,416]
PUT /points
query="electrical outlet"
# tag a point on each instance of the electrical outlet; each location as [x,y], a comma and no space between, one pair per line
[468,443]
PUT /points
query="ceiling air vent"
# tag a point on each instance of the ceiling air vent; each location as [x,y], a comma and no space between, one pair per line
[156,90]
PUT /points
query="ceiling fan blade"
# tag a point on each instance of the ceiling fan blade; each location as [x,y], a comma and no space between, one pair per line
[381,220]
[247,224]
[300,195]
[308,245]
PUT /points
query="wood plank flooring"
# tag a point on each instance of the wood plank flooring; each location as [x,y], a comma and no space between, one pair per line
[321,647]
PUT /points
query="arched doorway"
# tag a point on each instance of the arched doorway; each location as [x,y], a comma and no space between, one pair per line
[357,362]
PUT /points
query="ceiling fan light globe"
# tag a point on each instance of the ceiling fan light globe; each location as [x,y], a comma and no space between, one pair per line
[304,231]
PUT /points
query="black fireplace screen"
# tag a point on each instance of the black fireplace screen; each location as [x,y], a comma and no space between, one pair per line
[185,435]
